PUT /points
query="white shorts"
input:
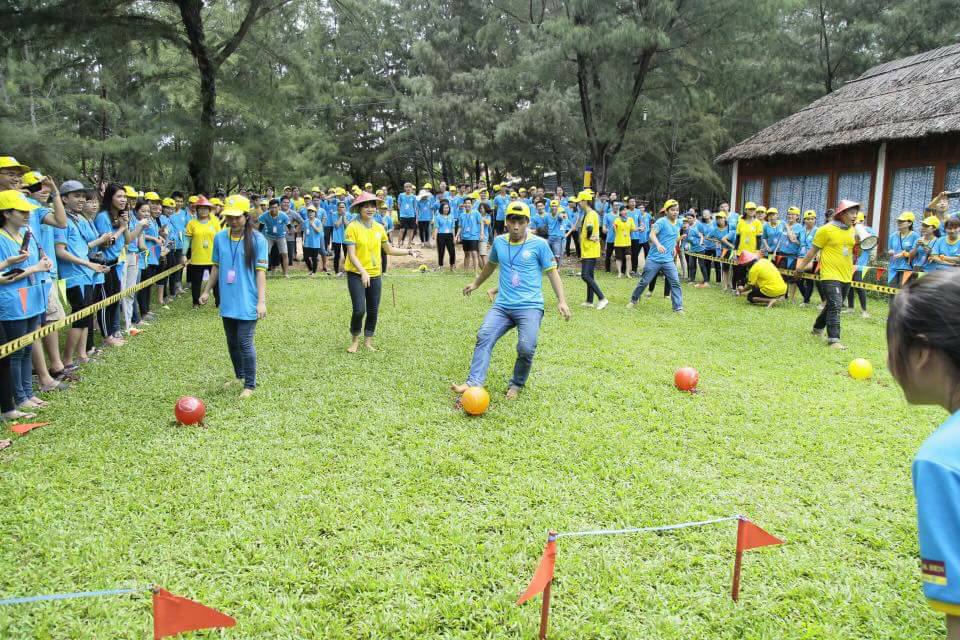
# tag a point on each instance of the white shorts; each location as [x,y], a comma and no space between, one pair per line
[54,306]
[483,247]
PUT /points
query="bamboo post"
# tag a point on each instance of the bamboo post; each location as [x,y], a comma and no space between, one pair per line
[737,563]
[545,612]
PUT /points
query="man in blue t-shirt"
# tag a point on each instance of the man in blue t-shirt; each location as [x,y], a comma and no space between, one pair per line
[500,203]
[273,225]
[660,257]
[523,258]
[407,201]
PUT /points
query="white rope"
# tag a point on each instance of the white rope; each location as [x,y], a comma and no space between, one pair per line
[669,527]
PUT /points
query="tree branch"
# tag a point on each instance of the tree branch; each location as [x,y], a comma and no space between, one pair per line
[225,50]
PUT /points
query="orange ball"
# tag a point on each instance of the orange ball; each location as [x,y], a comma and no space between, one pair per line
[189,410]
[475,401]
[686,378]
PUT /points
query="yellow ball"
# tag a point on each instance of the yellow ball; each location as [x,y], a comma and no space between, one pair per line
[423,267]
[860,369]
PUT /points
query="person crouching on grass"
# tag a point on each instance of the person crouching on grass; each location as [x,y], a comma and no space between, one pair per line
[763,278]
[523,259]
[239,270]
[364,240]
[924,358]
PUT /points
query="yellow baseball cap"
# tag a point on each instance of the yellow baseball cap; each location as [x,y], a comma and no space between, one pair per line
[368,186]
[773,210]
[720,214]
[522,189]
[749,206]
[31,178]
[130,192]
[235,206]
[809,213]
[13,199]
[427,185]
[669,203]
[169,202]
[151,196]
[586,195]
[9,162]
[932,221]
[573,199]
[518,209]
[761,209]
[316,190]
[216,201]
[906,216]
[193,199]
[794,210]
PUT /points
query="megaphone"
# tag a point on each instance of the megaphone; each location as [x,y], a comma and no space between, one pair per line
[866,239]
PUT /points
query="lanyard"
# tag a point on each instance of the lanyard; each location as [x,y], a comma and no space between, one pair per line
[513,257]
[233,250]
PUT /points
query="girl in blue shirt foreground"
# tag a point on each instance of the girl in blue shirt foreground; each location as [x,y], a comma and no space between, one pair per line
[924,358]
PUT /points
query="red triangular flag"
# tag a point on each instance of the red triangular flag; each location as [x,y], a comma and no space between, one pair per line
[23,298]
[544,573]
[750,536]
[173,614]
[25,428]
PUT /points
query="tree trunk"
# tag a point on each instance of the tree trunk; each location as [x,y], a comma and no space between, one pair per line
[201,149]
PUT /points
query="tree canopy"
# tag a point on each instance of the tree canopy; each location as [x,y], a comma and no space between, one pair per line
[212,94]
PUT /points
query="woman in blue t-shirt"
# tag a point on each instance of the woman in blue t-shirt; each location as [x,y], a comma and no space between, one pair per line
[443,234]
[23,296]
[313,241]
[899,248]
[924,358]
[339,227]
[240,271]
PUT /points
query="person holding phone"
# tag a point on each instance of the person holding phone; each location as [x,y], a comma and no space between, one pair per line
[23,295]
[239,270]
[113,219]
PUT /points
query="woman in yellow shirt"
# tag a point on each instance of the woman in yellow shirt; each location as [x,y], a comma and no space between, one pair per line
[364,239]
[764,279]
[199,243]
[748,230]
[623,225]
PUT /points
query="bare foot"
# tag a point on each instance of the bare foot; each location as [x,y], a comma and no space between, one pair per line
[354,346]
[459,388]
[836,345]
[771,303]
[368,343]
[513,393]
[246,393]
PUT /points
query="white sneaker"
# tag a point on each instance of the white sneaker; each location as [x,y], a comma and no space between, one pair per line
[586,304]
[631,304]
[603,304]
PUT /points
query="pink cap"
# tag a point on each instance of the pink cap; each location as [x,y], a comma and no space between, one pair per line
[746,257]
[364,197]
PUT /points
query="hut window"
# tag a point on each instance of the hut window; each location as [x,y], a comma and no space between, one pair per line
[752,192]
[910,190]
[806,192]
[856,187]
[953,184]
[815,195]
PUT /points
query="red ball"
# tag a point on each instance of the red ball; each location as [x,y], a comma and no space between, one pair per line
[686,378]
[189,410]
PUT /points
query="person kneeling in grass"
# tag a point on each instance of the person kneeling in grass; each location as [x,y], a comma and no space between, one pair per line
[764,281]
[240,270]
[924,358]
[523,259]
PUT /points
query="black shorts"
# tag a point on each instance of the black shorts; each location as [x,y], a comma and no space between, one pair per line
[408,223]
[471,245]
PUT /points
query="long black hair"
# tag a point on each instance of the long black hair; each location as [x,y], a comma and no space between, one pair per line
[924,312]
[249,242]
[106,202]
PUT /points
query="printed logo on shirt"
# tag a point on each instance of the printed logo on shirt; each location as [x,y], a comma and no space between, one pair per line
[527,254]
[933,571]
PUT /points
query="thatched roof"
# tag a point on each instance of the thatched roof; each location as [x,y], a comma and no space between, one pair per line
[904,99]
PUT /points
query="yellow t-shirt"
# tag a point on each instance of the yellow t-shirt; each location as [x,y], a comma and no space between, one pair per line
[764,274]
[367,241]
[836,252]
[621,230]
[590,248]
[201,236]
[749,232]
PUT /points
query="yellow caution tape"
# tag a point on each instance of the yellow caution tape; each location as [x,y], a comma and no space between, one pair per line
[868,286]
[15,345]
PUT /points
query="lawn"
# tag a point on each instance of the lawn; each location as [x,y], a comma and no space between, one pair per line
[347,499]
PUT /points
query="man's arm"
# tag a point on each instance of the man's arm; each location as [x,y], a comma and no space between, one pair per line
[487,271]
[557,284]
[804,263]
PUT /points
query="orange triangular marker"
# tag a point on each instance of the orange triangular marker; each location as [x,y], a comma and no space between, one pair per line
[544,573]
[750,536]
[174,614]
[26,428]
[23,298]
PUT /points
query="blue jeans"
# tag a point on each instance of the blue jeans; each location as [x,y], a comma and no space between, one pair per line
[497,322]
[21,364]
[242,353]
[556,246]
[650,271]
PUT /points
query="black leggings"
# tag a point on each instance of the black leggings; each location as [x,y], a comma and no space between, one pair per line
[327,236]
[705,266]
[608,255]
[337,250]
[7,402]
[575,237]
[634,255]
[587,267]
[366,301]
[499,226]
[109,319]
[423,228]
[445,243]
[310,257]
[195,276]
[622,258]
[691,267]
[143,296]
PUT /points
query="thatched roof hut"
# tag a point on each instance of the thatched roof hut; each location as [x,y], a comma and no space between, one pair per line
[899,122]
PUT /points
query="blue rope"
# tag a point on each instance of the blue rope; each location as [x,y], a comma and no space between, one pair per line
[68,596]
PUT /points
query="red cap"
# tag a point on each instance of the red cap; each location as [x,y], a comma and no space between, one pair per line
[747,257]
[364,197]
[203,202]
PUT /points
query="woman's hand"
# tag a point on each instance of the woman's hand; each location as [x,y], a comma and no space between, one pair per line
[365,278]
[43,265]
[12,260]
[206,296]
[261,310]
[98,268]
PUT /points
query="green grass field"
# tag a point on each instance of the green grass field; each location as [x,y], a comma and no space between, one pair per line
[347,499]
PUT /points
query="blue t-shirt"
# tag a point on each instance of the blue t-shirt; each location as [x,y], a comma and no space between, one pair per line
[338,232]
[773,236]
[521,271]
[178,224]
[275,227]
[425,208]
[936,485]
[329,212]
[787,247]
[45,236]
[943,248]
[554,226]
[470,224]
[608,219]
[75,241]
[638,220]
[408,205]
[313,233]
[111,252]
[898,244]
[805,236]
[667,236]
[446,223]
[26,297]
[153,248]
[716,234]
[238,300]
[500,204]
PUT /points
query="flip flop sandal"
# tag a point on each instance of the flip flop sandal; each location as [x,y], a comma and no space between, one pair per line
[56,386]
[5,443]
